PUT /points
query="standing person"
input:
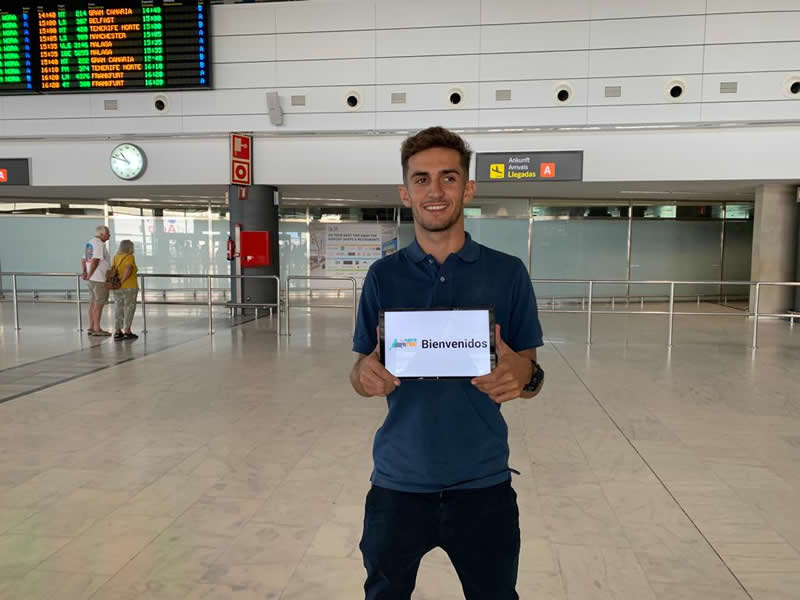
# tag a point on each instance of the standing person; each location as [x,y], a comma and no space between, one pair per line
[125,296]
[95,264]
[441,475]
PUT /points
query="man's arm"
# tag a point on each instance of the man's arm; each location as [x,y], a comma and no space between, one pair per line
[512,373]
[92,267]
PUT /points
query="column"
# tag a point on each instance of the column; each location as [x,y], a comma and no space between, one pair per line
[775,233]
[257,213]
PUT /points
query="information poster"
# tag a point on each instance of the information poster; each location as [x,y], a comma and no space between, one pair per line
[348,250]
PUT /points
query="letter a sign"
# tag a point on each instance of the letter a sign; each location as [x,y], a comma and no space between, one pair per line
[241,159]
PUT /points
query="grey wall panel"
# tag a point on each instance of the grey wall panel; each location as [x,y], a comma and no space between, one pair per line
[329,99]
[530,94]
[533,65]
[353,71]
[354,121]
[646,61]
[414,121]
[428,97]
[136,105]
[425,42]
[535,37]
[662,31]
[297,17]
[526,11]
[737,58]
[424,70]
[93,126]
[390,14]
[53,107]
[751,86]
[753,27]
[311,46]
[224,102]
[777,110]
[244,75]
[533,117]
[242,19]
[620,9]
[251,48]
[644,90]
[730,6]
[655,113]
[227,123]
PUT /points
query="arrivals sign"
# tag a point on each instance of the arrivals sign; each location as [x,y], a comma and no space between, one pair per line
[14,171]
[529,166]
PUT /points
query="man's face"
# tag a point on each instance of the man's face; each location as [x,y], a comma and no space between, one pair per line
[436,189]
[106,235]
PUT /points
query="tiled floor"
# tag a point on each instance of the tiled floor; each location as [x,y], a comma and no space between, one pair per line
[236,467]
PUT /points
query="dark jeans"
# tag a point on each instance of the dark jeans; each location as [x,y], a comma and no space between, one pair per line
[478,529]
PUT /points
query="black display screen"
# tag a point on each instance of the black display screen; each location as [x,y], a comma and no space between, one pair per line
[112,45]
[16,51]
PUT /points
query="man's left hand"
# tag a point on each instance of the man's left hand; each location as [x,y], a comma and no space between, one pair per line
[512,373]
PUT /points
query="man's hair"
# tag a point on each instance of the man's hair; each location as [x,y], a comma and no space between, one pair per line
[100,229]
[435,137]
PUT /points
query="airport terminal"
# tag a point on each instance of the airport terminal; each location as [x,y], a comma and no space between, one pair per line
[196,200]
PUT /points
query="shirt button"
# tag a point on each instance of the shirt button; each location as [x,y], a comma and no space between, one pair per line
[430,261]
[442,278]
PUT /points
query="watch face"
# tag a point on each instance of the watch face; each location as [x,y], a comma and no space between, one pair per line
[127,161]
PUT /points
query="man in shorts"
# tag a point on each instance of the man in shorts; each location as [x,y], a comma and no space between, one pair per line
[95,264]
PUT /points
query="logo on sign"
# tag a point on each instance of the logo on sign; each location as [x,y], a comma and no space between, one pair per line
[547,170]
[497,171]
[3,175]
[240,172]
[404,343]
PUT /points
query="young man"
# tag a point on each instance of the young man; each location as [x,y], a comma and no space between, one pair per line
[441,475]
[95,263]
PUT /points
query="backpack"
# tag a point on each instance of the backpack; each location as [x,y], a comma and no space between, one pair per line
[112,279]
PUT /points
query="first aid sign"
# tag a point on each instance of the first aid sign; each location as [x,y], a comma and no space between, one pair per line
[241,159]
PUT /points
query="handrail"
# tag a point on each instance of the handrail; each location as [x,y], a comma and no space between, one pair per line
[756,314]
[143,276]
[289,304]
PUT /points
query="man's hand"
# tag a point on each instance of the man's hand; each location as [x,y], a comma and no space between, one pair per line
[512,373]
[370,378]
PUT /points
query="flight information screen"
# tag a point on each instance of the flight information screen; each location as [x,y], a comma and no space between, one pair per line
[80,45]
[16,60]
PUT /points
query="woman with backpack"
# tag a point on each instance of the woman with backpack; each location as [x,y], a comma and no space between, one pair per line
[125,295]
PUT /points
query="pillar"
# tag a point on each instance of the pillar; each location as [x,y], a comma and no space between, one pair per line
[775,233]
[257,212]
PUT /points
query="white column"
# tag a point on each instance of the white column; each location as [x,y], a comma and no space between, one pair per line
[774,245]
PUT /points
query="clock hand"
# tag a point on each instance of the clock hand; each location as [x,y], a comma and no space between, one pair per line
[121,156]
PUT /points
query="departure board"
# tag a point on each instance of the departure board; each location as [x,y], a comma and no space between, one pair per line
[104,45]
[16,61]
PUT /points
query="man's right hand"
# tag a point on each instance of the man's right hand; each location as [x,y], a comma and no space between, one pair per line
[370,377]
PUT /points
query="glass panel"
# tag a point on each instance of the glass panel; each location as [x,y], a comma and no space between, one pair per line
[579,249]
[293,242]
[507,235]
[675,250]
[44,244]
[406,234]
[738,254]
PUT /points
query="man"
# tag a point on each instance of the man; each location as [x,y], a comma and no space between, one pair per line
[95,264]
[441,475]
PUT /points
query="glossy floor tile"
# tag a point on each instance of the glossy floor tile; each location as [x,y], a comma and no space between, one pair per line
[236,466]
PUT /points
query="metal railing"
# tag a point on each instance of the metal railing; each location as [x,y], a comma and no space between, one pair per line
[143,295]
[672,313]
[289,305]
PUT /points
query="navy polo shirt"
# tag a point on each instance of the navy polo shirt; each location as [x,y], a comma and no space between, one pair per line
[445,434]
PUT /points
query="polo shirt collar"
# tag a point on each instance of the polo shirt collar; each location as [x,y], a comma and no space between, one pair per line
[469,253]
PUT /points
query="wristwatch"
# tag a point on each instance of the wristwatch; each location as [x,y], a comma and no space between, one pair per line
[536,378]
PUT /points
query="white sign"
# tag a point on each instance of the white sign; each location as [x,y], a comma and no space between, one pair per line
[348,249]
[437,343]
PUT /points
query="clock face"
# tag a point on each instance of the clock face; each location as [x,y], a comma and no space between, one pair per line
[127,161]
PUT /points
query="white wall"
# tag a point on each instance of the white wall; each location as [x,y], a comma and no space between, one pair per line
[323,50]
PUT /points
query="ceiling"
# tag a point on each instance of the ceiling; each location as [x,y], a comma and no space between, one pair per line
[386,195]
